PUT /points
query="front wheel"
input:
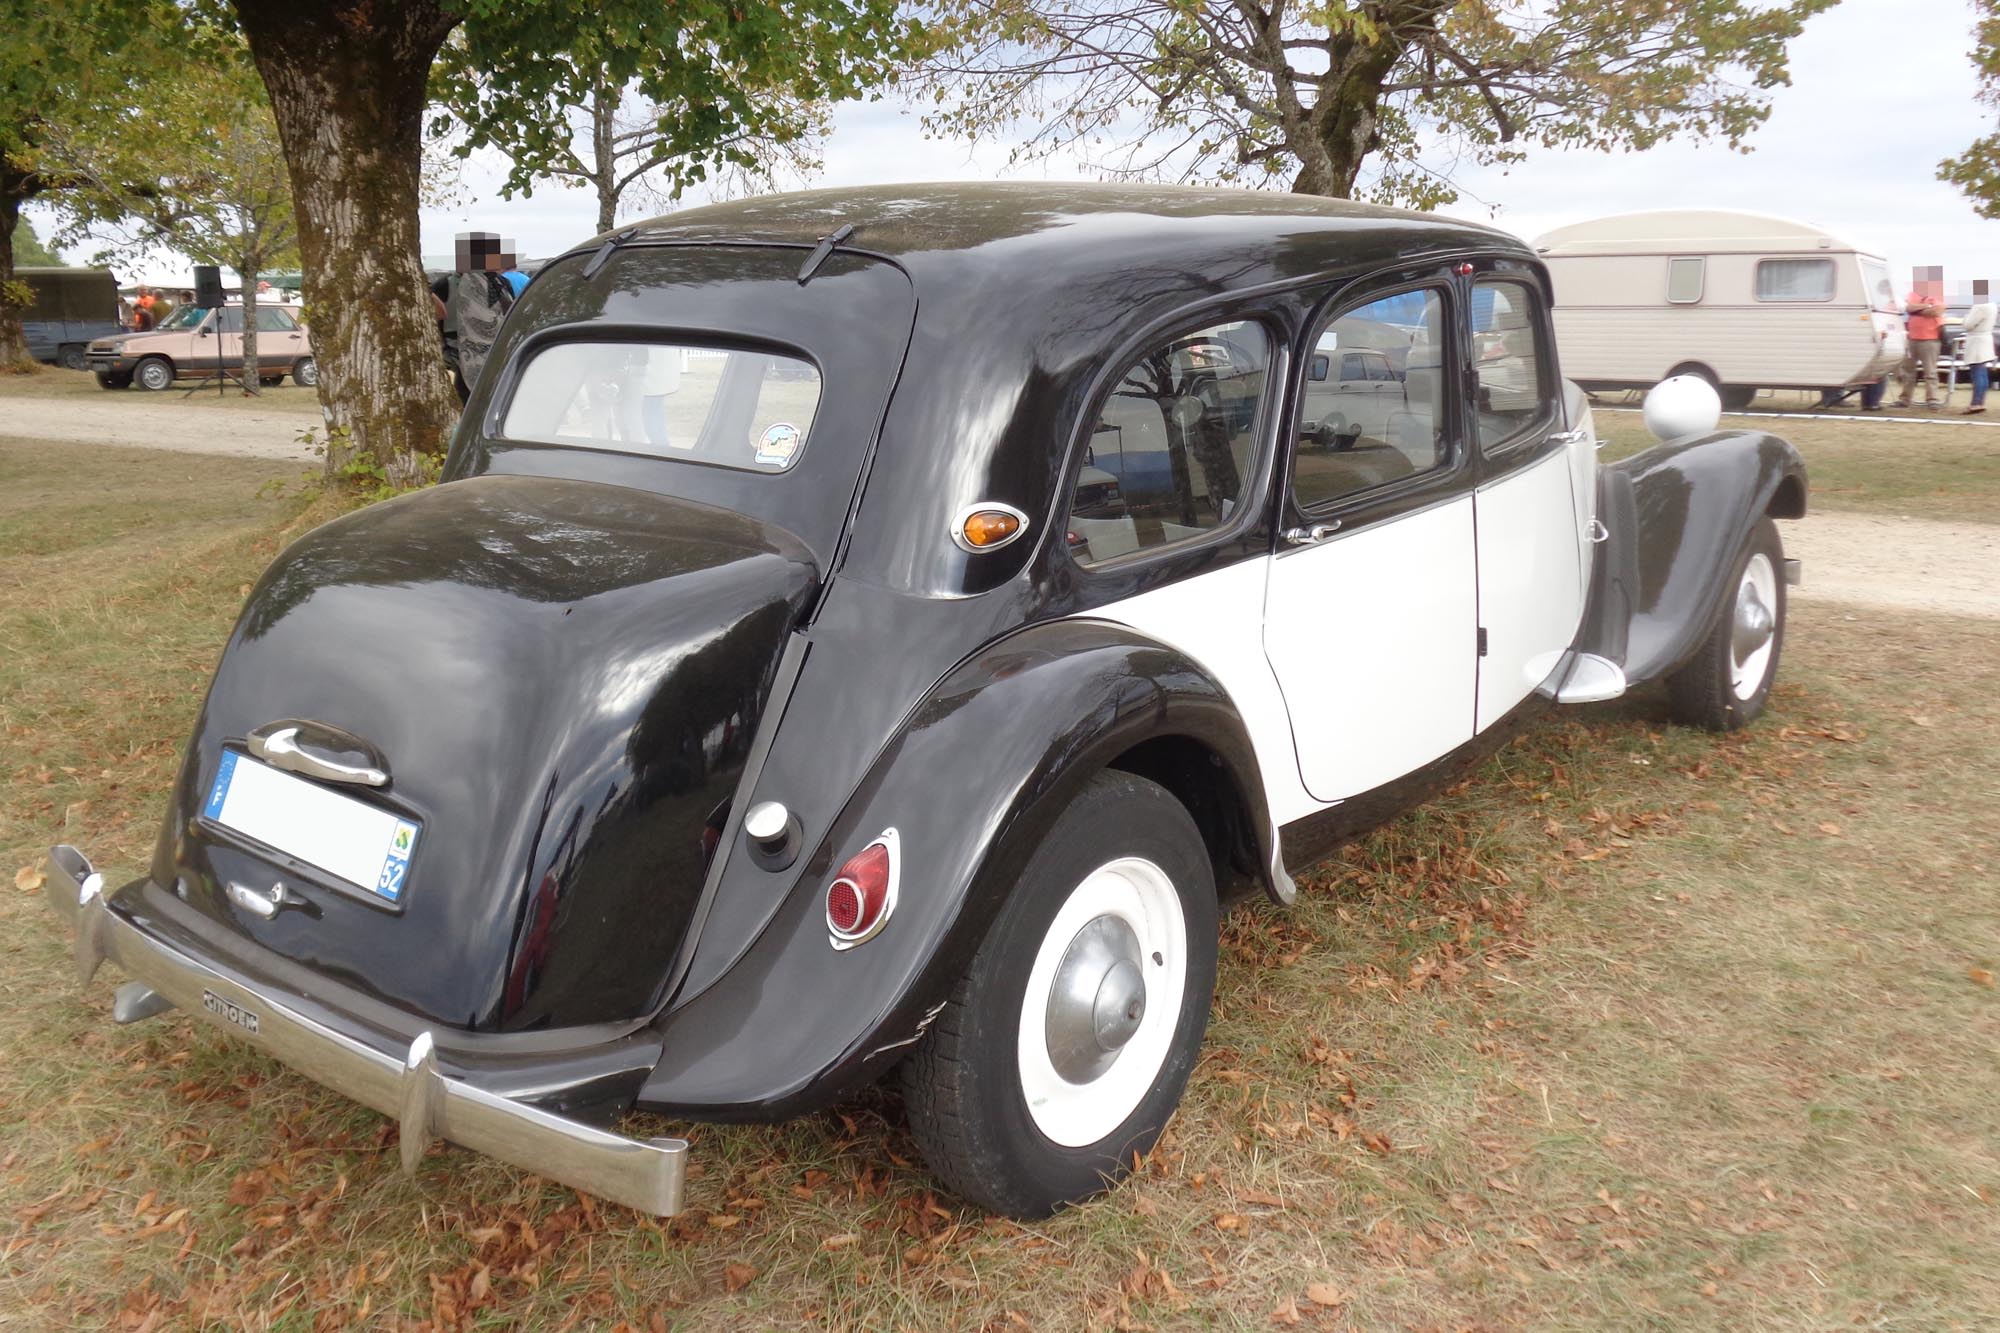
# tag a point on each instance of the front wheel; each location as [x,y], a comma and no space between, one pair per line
[1064,1047]
[1726,684]
[110,380]
[155,373]
[305,372]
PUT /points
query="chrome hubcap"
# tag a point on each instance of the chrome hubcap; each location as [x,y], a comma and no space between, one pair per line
[1754,623]
[1097,1000]
[1102,1001]
[1753,626]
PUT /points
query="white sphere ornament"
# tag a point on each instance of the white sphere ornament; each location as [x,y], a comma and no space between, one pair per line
[1682,405]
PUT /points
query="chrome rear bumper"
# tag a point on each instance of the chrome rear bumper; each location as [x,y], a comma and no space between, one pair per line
[645,1174]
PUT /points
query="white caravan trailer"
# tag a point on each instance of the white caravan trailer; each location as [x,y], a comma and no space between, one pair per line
[1744,300]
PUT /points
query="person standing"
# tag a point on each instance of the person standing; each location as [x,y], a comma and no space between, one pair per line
[1925,324]
[480,301]
[1977,352]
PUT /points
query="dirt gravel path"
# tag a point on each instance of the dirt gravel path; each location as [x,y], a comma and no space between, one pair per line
[160,421]
[1912,564]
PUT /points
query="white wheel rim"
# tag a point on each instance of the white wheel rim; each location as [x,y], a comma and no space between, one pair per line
[1754,626]
[1135,895]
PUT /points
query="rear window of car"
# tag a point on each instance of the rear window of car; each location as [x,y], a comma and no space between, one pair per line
[727,407]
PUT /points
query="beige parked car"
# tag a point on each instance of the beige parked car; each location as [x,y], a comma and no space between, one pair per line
[185,346]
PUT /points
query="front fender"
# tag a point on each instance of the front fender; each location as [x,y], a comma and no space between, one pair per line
[1677,515]
[972,783]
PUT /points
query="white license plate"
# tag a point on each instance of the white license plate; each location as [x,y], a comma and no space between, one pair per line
[362,844]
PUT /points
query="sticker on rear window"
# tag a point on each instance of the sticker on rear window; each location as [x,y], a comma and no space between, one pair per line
[778,445]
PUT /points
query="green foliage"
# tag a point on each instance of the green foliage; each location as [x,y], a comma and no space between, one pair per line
[194,166]
[1976,171]
[71,64]
[1257,92]
[29,250]
[722,79]
[358,474]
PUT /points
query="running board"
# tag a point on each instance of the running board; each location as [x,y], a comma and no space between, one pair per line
[1591,679]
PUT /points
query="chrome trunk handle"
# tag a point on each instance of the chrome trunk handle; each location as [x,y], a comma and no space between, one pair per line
[279,745]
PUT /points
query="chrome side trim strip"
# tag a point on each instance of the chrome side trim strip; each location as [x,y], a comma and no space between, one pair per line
[645,1174]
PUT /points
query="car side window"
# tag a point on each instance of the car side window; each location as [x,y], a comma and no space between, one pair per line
[1384,418]
[1509,359]
[1173,449]
[272,320]
[231,317]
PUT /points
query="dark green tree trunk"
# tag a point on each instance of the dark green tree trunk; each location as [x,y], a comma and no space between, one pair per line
[347,81]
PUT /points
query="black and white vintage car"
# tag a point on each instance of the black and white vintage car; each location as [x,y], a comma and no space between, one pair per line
[874,632]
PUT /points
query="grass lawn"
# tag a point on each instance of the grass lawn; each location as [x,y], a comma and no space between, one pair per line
[1886,467]
[1641,1028]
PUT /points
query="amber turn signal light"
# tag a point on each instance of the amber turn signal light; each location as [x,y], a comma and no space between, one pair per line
[988,526]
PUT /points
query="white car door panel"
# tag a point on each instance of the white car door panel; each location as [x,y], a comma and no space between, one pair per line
[1371,636]
[1530,596]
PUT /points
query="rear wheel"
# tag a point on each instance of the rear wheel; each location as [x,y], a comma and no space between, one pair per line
[1064,1048]
[305,372]
[1736,397]
[70,357]
[1726,684]
[155,373]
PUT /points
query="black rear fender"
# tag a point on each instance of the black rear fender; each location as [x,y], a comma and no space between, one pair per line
[1677,516]
[972,783]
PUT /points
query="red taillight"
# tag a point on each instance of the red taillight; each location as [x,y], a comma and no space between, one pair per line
[863,893]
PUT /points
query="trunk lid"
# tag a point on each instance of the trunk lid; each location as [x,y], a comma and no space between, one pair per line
[562,679]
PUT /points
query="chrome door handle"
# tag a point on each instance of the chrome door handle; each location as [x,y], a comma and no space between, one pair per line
[1318,532]
[280,748]
[1576,436]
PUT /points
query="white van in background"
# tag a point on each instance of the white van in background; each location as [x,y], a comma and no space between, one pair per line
[1743,300]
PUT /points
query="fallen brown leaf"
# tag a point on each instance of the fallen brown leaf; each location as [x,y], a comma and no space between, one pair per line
[1325,1293]
[737,1276]
[1980,976]
[840,1242]
[28,878]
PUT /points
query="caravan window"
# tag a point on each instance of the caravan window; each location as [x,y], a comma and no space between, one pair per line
[1684,277]
[1795,279]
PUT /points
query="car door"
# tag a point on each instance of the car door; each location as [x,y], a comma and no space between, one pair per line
[229,320]
[1370,621]
[279,341]
[1531,570]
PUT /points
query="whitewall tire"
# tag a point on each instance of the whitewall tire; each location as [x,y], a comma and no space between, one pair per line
[1727,682]
[1065,1046]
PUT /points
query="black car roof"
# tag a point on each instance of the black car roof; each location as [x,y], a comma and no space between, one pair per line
[958,236]
[1025,295]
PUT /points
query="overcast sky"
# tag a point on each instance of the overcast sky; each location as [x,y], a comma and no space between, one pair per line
[1881,91]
